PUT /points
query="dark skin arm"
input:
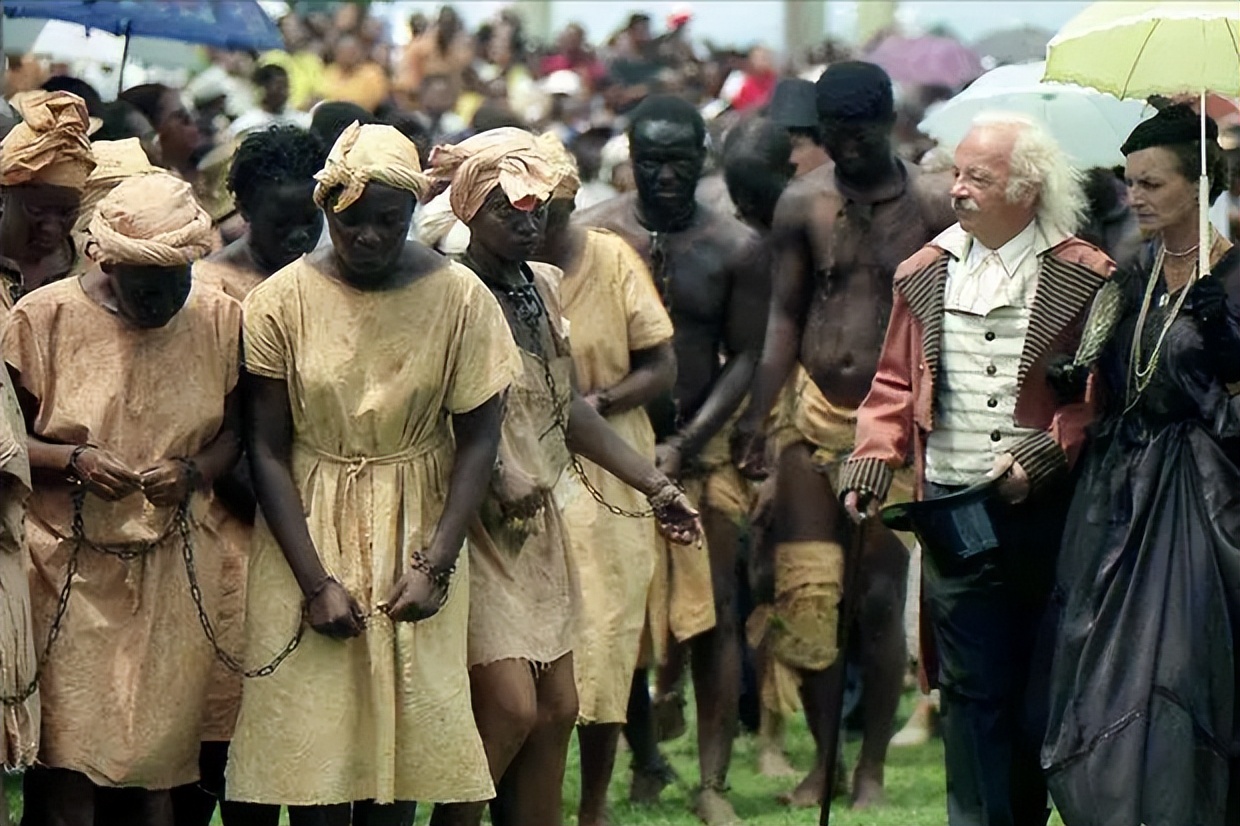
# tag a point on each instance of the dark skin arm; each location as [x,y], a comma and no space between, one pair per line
[791,291]
[106,476]
[744,332]
[269,445]
[653,374]
[477,436]
[589,435]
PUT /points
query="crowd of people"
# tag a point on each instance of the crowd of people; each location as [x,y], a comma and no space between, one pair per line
[363,443]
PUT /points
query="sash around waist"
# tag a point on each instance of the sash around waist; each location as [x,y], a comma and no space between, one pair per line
[357,464]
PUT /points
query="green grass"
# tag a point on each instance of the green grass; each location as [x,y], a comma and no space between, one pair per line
[914,779]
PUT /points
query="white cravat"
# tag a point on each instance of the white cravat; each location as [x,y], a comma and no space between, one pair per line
[983,280]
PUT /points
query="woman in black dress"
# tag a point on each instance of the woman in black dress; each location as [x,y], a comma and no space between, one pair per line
[1144,687]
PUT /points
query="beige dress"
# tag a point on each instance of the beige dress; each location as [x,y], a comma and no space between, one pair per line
[372,378]
[124,687]
[18,647]
[613,309]
[233,536]
[522,594]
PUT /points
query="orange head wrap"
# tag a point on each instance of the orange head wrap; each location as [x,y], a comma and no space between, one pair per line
[50,145]
[565,164]
[114,162]
[509,158]
[150,220]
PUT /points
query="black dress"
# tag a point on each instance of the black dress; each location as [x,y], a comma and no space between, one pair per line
[1143,706]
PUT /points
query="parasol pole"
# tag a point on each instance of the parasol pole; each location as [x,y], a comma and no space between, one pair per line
[120,73]
[1203,198]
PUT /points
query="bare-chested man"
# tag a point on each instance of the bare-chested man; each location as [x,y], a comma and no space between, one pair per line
[839,234]
[703,265]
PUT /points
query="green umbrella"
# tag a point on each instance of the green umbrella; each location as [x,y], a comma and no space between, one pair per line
[1140,49]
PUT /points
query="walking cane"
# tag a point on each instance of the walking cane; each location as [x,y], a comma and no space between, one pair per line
[832,713]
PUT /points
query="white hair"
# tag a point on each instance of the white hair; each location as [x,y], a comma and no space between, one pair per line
[1038,164]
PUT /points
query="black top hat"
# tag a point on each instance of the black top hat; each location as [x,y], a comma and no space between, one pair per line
[793,105]
[952,527]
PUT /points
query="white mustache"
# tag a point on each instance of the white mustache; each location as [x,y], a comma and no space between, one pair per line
[964,205]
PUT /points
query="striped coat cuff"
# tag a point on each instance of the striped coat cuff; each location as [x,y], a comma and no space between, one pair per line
[1042,458]
[871,476]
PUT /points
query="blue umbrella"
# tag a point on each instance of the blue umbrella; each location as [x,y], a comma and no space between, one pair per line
[225,24]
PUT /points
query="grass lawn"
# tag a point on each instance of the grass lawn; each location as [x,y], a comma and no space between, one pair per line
[915,790]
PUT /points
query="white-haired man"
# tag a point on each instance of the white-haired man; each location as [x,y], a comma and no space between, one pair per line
[961,388]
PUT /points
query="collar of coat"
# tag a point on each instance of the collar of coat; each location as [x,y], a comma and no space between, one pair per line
[1065,287]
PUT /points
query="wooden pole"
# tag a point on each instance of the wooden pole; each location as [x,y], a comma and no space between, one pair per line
[804,26]
[120,73]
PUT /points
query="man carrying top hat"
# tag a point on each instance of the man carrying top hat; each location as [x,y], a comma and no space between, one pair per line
[961,388]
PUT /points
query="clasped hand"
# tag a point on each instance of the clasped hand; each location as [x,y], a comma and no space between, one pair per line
[105,475]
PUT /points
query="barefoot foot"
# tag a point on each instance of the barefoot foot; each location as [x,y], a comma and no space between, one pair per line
[713,809]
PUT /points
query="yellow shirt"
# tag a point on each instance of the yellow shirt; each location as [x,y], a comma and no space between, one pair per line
[305,76]
[367,85]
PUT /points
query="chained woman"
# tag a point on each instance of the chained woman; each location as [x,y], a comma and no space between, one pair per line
[272,180]
[374,370]
[623,360]
[523,592]
[126,377]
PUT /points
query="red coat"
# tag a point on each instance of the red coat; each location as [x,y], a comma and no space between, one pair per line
[898,412]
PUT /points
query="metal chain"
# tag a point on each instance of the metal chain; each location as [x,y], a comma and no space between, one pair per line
[62,607]
[230,661]
[531,317]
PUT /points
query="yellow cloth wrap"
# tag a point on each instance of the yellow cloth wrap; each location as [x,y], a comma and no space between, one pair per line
[151,220]
[374,152]
[809,578]
[804,414]
[779,687]
[114,162]
[564,163]
[510,158]
[50,145]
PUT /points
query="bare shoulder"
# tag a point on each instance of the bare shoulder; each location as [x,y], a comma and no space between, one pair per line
[804,197]
[615,214]
[933,193]
[735,238]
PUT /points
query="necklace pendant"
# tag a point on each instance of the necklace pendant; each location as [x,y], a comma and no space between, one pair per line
[1162,302]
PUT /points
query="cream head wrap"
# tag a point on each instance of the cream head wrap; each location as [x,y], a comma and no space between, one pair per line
[565,164]
[150,220]
[509,158]
[50,145]
[374,152]
[114,162]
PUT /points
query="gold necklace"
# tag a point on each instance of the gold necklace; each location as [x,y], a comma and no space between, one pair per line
[1140,376]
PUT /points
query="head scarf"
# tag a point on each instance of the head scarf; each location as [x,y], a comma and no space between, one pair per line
[564,163]
[365,153]
[1173,125]
[509,158]
[50,145]
[150,220]
[114,162]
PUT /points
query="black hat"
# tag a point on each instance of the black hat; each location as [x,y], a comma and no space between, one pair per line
[792,105]
[1172,125]
[950,528]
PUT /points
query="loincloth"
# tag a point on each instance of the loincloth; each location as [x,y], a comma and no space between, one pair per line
[830,430]
[681,604]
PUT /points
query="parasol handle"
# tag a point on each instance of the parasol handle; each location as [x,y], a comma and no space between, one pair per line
[1203,202]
